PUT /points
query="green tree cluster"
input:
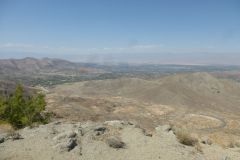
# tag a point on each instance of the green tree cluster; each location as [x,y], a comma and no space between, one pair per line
[20,110]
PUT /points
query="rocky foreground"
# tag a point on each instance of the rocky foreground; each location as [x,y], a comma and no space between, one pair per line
[112,140]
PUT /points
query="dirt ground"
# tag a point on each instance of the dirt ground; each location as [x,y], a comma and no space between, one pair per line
[89,140]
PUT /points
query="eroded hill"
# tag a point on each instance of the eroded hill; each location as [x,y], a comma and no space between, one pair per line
[199,101]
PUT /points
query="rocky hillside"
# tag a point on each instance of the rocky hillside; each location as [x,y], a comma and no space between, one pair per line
[104,141]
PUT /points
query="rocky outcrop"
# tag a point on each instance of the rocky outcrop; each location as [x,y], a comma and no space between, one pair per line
[103,141]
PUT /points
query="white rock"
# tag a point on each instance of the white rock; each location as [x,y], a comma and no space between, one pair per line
[60,136]
[115,123]
[162,129]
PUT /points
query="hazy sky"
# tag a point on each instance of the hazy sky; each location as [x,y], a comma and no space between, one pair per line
[168,31]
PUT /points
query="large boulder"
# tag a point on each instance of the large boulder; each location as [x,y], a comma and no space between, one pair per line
[68,145]
[115,142]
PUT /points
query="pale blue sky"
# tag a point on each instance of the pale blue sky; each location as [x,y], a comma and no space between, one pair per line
[70,29]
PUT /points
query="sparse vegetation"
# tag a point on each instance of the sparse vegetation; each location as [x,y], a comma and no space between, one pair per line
[185,137]
[20,110]
[233,143]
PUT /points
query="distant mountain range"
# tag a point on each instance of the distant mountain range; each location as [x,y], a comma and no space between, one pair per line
[45,65]
[33,65]
[51,71]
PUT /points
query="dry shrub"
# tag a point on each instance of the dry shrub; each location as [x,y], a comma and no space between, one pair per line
[185,137]
[237,144]
[233,143]
[198,147]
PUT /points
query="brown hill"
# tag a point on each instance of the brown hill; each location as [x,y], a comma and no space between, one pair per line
[45,65]
[197,90]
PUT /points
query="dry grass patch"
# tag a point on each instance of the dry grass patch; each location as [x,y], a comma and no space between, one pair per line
[185,137]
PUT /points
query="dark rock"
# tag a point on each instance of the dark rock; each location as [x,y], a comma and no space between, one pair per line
[2,139]
[101,129]
[99,133]
[81,131]
[71,144]
[57,123]
[148,134]
[68,145]
[130,123]
[206,140]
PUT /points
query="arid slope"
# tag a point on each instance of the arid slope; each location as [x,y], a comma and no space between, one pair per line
[202,103]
